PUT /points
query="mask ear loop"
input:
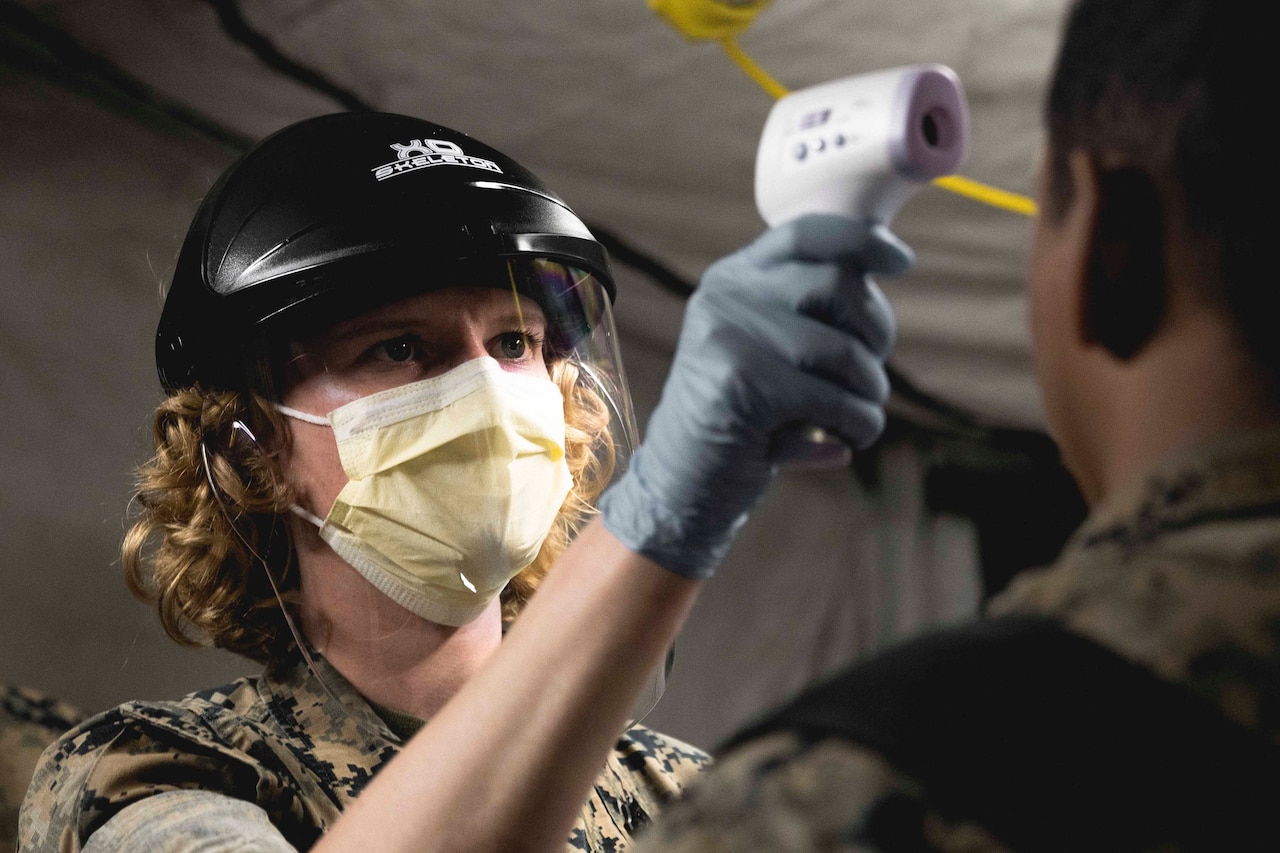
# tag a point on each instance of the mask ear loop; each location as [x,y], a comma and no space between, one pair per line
[239,426]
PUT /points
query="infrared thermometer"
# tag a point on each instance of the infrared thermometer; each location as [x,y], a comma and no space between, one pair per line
[858,147]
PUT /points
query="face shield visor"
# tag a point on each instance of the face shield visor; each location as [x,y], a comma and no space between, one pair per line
[480,424]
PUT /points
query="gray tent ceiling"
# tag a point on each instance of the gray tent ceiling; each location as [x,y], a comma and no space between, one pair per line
[647,134]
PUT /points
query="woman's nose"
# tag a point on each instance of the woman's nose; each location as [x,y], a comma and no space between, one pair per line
[470,344]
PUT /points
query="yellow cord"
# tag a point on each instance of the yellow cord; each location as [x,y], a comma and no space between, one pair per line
[994,196]
[755,72]
[967,187]
[702,20]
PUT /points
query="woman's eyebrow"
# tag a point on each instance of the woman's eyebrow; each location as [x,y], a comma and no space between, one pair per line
[363,326]
[384,321]
[523,318]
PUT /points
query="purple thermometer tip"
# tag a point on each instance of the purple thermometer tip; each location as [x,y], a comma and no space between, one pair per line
[935,132]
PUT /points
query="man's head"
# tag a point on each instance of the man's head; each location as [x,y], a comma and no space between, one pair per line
[1150,193]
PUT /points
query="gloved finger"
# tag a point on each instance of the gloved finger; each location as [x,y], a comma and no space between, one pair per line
[824,237]
[837,294]
[885,252]
[812,400]
[808,345]
[856,422]
[860,308]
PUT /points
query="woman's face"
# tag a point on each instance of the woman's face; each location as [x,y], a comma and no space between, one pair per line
[417,338]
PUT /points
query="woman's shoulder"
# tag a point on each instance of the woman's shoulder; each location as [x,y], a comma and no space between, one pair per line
[201,718]
[216,716]
[214,740]
[208,719]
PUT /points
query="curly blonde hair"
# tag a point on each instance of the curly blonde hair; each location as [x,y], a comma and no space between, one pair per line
[201,552]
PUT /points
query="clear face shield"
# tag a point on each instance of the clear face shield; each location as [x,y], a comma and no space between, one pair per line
[447,447]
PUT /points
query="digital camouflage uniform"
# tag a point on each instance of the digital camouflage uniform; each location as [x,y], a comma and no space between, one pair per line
[1181,576]
[288,755]
[29,722]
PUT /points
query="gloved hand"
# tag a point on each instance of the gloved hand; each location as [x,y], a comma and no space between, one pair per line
[788,331]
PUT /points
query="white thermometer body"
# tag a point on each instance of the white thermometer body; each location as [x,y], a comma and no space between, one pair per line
[858,147]
[861,146]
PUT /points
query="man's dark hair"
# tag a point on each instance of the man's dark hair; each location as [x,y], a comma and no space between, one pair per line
[1170,95]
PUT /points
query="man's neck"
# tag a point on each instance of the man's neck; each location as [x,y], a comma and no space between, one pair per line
[1194,386]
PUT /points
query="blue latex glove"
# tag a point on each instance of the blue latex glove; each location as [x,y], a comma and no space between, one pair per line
[786,332]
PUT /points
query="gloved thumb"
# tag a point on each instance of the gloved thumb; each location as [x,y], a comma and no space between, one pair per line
[885,252]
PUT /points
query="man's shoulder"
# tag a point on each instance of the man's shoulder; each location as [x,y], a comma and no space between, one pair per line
[782,792]
[863,759]
[1007,727]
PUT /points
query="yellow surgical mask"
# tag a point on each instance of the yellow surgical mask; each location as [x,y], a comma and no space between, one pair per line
[455,482]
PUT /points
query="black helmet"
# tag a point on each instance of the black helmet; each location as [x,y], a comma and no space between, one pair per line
[337,214]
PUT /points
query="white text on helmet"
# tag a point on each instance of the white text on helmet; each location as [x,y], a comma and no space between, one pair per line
[423,153]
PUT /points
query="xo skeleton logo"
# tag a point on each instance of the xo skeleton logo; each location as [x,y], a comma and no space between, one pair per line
[423,153]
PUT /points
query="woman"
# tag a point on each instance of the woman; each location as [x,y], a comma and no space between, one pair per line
[394,395]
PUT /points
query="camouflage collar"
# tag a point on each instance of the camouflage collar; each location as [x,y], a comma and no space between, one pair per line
[338,735]
[1236,476]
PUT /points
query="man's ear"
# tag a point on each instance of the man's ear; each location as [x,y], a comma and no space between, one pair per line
[1123,294]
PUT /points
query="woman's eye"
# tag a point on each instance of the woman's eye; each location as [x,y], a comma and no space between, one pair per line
[397,350]
[513,345]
